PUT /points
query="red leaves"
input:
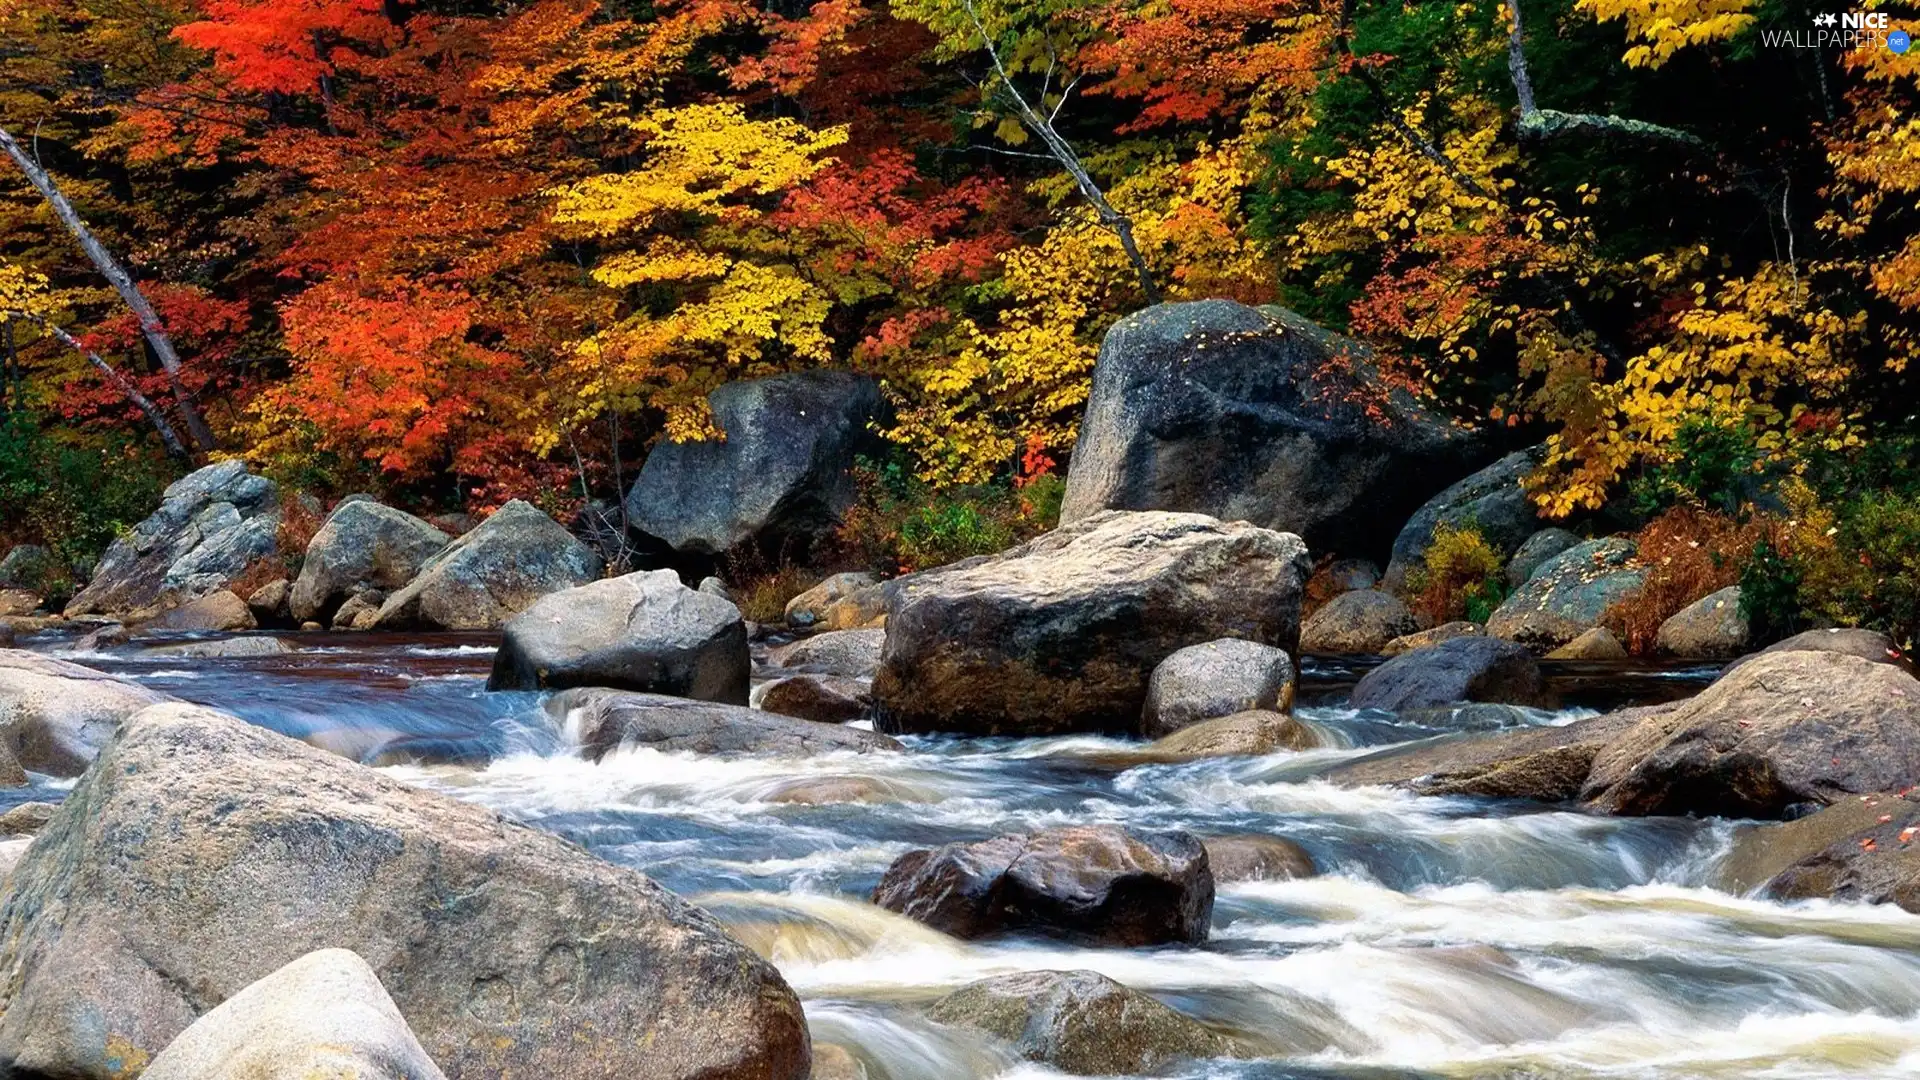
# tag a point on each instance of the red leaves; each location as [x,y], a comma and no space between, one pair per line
[285,45]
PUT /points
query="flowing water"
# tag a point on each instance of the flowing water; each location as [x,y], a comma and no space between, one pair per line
[1444,938]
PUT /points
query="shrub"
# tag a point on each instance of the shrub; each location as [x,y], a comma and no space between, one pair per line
[71,496]
[1687,553]
[1712,465]
[1460,577]
[899,523]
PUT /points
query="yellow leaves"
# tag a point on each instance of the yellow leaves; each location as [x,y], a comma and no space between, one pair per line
[667,259]
[1664,27]
[697,158]
[23,291]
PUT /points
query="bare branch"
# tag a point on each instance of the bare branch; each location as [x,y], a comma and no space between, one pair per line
[1540,124]
[168,437]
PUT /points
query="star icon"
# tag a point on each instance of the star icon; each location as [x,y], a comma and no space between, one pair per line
[1825,18]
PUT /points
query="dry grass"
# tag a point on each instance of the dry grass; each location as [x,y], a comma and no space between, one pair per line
[1688,553]
[258,573]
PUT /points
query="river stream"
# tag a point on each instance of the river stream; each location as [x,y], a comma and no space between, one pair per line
[1444,937]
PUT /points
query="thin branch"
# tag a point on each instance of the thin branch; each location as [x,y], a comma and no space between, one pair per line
[168,437]
[1540,124]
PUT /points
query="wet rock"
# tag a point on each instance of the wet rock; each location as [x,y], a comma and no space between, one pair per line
[1826,854]
[269,602]
[7,636]
[827,790]
[18,602]
[848,653]
[205,853]
[1256,857]
[363,547]
[826,699]
[810,607]
[360,611]
[232,648]
[1567,595]
[1709,628]
[109,636]
[1597,643]
[1061,634]
[1102,885]
[834,1062]
[1461,669]
[55,716]
[1865,644]
[1535,552]
[1781,732]
[1218,678]
[1256,415]
[607,720]
[215,611]
[780,478]
[1248,733]
[1421,639]
[1546,764]
[1080,1022]
[1490,501]
[1359,622]
[27,818]
[491,574]
[642,631]
[211,525]
[323,1015]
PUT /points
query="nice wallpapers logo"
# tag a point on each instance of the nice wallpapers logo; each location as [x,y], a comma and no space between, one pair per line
[1848,30]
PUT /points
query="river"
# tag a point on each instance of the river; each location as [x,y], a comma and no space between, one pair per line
[1444,938]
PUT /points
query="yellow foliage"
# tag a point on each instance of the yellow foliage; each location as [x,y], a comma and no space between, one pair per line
[1664,27]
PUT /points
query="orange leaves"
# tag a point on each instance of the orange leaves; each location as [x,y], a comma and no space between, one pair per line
[285,45]
[1190,61]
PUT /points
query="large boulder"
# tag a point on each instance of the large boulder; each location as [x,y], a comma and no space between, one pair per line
[1257,415]
[1094,884]
[1851,641]
[211,525]
[1490,501]
[1780,733]
[1547,764]
[217,611]
[1460,669]
[1567,595]
[780,477]
[1256,857]
[1710,628]
[324,1015]
[491,574]
[363,546]
[1080,1023]
[1061,634]
[602,721]
[1535,551]
[1857,850]
[643,631]
[1218,678]
[55,716]
[1362,621]
[204,853]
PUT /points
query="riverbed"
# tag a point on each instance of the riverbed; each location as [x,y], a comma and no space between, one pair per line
[1444,937]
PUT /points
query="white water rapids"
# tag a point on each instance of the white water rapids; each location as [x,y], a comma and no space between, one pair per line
[1443,938]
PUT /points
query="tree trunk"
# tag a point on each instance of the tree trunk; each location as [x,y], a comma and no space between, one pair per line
[122,282]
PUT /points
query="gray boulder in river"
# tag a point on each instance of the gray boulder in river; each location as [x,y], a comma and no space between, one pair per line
[1490,501]
[780,477]
[1062,633]
[491,574]
[1567,595]
[1101,885]
[643,631]
[603,721]
[364,546]
[203,853]
[1256,415]
[1214,679]
[211,525]
[1364,621]
[1080,1022]
[324,1015]
[1459,669]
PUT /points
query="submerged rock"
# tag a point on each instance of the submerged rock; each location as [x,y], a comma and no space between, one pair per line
[643,631]
[1709,628]
[1255,857]
[1567,595]
[1547,764]
[491,574]
[603,721]
[211,525]
[1784,731]
[217,611]
[223,648]
[1242,734]
[363,547]
[1080,1022]
[1491,502]
[324,1015]
[1218,678]
[1462,669]
[1101,885]
[779,478]
[827,699]
[1358,622]
[1257,415]
[1061,634]
[55,716]
[204,853]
